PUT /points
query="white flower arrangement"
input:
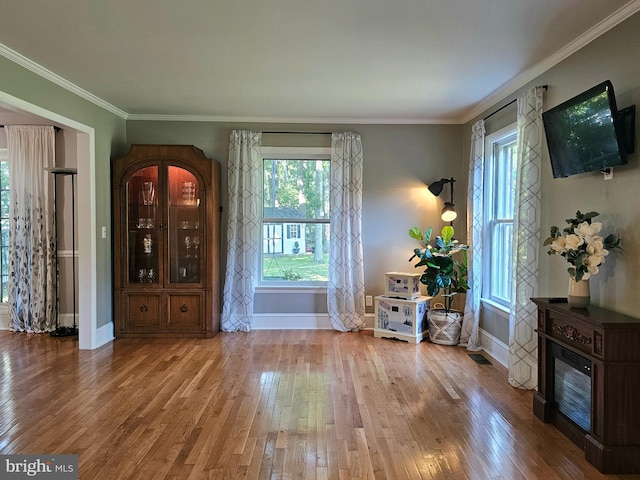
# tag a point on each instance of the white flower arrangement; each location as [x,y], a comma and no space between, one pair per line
[581,244]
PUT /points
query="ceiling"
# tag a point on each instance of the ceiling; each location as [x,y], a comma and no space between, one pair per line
[336,61]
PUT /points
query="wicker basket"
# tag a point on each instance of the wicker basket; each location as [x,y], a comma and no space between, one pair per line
[444,327]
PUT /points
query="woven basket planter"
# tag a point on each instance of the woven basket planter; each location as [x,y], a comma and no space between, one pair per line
[445,327]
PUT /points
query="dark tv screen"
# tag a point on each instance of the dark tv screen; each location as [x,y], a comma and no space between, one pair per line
[584,134]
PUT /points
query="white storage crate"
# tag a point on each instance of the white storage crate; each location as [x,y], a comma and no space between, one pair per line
[402,319]
[402,285]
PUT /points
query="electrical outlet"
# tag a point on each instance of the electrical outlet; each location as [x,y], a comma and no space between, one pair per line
[104,232]
[608,173]
[368,301]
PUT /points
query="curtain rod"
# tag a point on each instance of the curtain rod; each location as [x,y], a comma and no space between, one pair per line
[57,129]
[302,133]
[510,103]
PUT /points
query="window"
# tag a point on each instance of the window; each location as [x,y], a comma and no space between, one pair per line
[295,216]
[500,178]
[4,226]
[293,231]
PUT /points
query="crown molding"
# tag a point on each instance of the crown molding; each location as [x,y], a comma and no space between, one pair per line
[534,72]
[498,95]
[318,120]
[58,80]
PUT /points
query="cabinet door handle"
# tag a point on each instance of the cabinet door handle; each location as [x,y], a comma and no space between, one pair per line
[143,308]
[183,308]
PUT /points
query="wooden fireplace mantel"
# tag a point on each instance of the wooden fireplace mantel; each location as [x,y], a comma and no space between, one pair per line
[611,341]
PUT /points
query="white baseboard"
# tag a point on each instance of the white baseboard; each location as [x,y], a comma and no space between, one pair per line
[4,317]
[299,321]
[104,335]
[369,321]
[290,321]
[495,348]
[64,319]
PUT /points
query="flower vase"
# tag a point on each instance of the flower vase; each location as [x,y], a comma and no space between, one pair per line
[579,296]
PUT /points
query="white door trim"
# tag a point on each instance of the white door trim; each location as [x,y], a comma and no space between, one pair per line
[87,275]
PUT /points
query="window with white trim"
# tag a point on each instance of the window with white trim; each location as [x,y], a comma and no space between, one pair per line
[295,216]
[499,191]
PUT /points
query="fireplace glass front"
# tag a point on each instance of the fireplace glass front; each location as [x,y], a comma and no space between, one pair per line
[572,386]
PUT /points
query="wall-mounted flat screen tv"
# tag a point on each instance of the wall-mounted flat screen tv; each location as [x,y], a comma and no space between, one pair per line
[586,133]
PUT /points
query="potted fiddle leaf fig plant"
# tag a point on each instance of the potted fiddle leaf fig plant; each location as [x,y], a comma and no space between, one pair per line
[442,272]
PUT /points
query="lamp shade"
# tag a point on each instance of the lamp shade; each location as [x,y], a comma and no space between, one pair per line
[436,187]
[449,213]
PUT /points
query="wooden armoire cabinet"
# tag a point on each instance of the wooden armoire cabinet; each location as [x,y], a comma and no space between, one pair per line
[166,227]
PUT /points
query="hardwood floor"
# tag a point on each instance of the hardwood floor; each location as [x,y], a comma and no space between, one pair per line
[275,405]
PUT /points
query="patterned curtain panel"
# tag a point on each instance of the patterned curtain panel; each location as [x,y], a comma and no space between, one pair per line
[243,230]
[32,242]
[345,289]
[469,336]
[523,342]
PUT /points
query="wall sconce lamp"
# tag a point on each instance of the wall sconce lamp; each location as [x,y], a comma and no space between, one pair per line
[448,212]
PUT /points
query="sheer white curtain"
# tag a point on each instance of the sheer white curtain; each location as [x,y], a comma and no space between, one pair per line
[469,336]
[345,288]
[32,244]
[243,230]
[523,342]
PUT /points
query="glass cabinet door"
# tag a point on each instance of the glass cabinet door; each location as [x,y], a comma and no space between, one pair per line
[144,242]
[186,226]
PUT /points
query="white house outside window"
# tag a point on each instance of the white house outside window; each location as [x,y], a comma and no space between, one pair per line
[499,182]
[295,216]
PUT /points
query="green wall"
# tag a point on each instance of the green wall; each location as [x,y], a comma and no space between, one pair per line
[399,161]
[615,56]
[110,131]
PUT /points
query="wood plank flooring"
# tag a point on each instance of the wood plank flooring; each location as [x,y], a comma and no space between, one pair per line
[275,405]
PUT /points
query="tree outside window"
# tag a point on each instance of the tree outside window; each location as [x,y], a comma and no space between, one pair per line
[296,204]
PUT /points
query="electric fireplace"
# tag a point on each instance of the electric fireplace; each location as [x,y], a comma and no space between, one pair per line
[571,391]
[589,381]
